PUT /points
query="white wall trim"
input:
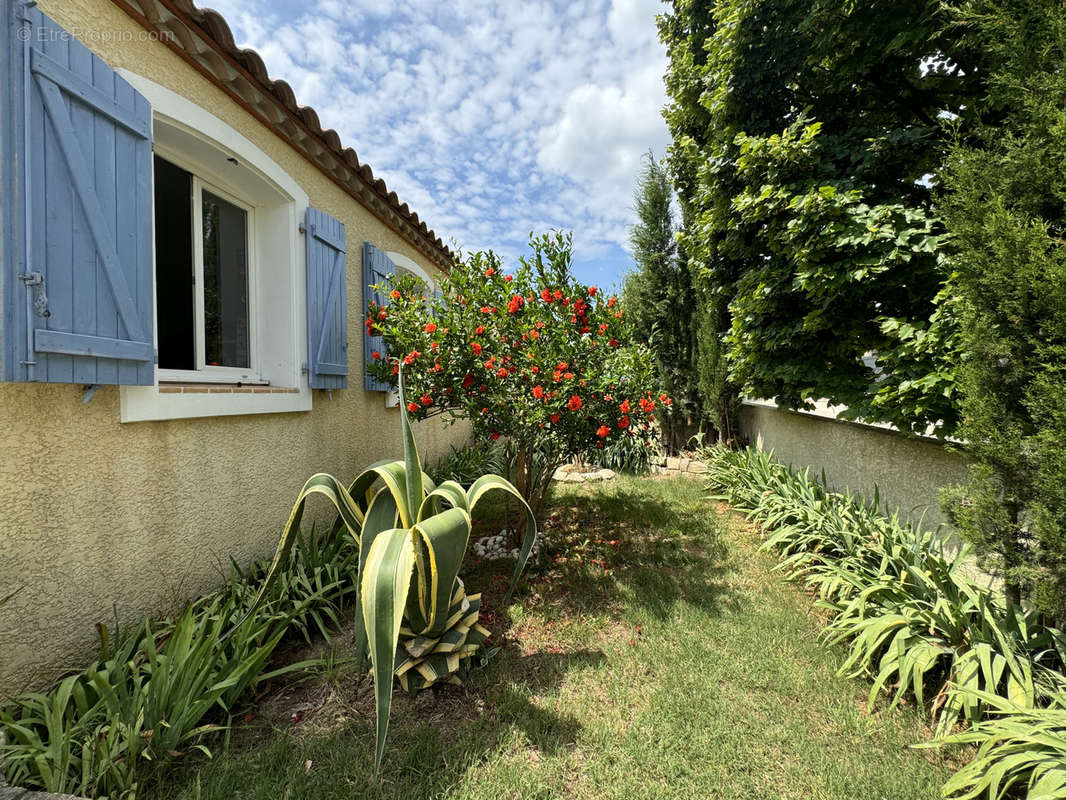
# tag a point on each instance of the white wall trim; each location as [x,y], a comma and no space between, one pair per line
[403,262]
[281,280]
[183,113]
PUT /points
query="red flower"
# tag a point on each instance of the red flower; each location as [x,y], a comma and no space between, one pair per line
[508,278]
[426,400]
[469,379]
[476,347]
[624,408]
[569,376]
[479,329]
[383,314]
[574,403]
[410,357]
[546,295]
[538,392]
[611,302]
[603,328]
[592,291]
[534,369]
[613,342]
[487,309]
[395,295]
[429,327]
[412,407]
[558,295]
[501,372]
[603,432]
[375,355]
[437,367]
[434,345]
[623,423]
[534,334]
[554,417]
[490,272]
[515,304]
[647,406]
[495,436]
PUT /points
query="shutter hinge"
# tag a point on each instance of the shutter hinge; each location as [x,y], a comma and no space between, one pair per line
[90,390]
[26,6]
[35,282]
[303,228]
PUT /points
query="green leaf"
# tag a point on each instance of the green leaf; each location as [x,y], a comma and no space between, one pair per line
[385,584]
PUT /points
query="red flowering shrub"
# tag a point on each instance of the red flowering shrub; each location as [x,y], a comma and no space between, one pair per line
[533,356]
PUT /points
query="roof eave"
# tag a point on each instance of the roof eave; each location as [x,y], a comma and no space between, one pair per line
[202,38]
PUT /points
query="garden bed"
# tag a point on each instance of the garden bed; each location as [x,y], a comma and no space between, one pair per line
[652,653]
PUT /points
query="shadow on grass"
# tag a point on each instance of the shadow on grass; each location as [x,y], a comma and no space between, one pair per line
[644,544]
[434,739]
[631,547]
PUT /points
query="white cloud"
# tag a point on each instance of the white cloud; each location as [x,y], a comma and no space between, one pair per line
[490,120]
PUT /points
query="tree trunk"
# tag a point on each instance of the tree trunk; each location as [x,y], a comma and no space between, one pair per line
[1009,542]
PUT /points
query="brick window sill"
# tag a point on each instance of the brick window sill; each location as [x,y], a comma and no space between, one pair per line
[225,388]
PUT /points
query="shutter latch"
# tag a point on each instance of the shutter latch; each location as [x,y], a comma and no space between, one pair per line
[35,282]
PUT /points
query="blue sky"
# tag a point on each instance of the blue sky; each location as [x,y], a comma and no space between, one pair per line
[489,119]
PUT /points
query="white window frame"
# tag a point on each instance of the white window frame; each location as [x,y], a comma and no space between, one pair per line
[279,349]
[204,372]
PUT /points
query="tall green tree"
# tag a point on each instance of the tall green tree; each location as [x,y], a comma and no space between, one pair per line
[686,31]
[1006,208]
[658,297]
[807,137]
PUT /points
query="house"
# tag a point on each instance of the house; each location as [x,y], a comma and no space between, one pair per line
[184,255]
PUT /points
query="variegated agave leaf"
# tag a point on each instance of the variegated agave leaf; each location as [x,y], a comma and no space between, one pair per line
[412,538]
[423,660]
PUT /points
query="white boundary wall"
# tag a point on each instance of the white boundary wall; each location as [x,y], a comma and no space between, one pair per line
[908,471]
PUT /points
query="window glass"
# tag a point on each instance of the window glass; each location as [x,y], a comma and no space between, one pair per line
[174,267]
[225,234]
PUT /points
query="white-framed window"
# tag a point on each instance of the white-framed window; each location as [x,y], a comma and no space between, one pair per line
[230,271]
[206,278]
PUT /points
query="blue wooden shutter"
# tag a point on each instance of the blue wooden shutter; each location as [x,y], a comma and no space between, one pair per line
[378,270]
[327,301]
[76,150]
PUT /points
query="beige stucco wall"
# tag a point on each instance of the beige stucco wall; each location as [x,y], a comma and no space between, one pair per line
[101,517]
[906,471]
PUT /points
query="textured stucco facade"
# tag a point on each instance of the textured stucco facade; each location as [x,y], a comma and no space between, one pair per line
[906,471]
[104,518]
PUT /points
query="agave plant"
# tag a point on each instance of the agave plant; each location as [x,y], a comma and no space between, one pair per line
[414,614]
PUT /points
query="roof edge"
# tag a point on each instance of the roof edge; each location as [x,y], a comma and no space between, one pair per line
[202,38]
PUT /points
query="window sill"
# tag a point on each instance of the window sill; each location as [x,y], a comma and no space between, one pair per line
[192,400]
[221,388]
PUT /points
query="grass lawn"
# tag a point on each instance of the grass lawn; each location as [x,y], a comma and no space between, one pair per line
[660,657]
